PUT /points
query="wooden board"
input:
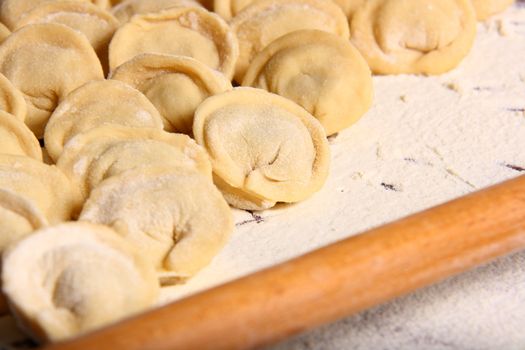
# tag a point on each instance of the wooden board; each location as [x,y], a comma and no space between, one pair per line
[332,282]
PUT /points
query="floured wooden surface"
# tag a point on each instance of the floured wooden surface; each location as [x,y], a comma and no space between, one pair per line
[425,141]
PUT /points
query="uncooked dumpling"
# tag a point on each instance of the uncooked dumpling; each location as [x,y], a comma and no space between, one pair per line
[73,278]
[95,23]
[295,66]
[176,85]
[16,138]
[178,219]
[12,11]
[207,4]
[184,31]
[266,20]
[230,8]
[486,8]
[11,99]
[413,36]
[4,32]
[98,103]
[44,185]
[127,9]
[263,147]
[65,59]
[19,218]
[349,6]
[107,151]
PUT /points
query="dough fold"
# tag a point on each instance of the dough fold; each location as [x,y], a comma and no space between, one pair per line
[97,103]
[184,31]
[176,85]
[413,36]
[264,148]
[73,278]
[46,62]
[177,218]
[260,23]
[296,66]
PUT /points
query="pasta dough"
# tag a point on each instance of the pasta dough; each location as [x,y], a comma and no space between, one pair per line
[11,11]
[17,139]
[266,20]
[230,8]
[127,9]
[98,103]
[108,151]
[486,8]
[73,278]
[19,218]
[178,219]
[349,6]
[184,31]
[92,21]
[4,32]
[11,99]
[45,186]
[176,85]
[65,59]
[295,66]
[413,36]
[262,146]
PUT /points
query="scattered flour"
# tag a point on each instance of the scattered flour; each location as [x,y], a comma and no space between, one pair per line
[434,145]
[143,116]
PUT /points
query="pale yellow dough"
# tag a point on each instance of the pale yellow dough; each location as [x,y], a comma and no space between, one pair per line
[413,36]
[95,104]
[486,8]
[16,138]
[185,31]
[177,218]
[295,66]
[176,85]
[12,11]
[108,151]
[11,99]
[349,6]
[45,62]
[266,20]
[264,148]
[230,8]
[128,8]
[19,217]
[95,23]
[72,278]
[44,185]
[4,32]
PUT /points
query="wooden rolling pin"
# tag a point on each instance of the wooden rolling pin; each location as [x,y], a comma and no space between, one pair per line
[332,282]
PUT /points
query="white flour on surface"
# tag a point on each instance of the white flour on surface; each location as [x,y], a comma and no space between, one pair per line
[425,141]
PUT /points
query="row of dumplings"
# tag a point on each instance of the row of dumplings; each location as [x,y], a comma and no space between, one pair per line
[151,189]
[149,159]
[149,215]
[393,36]
[258,47]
